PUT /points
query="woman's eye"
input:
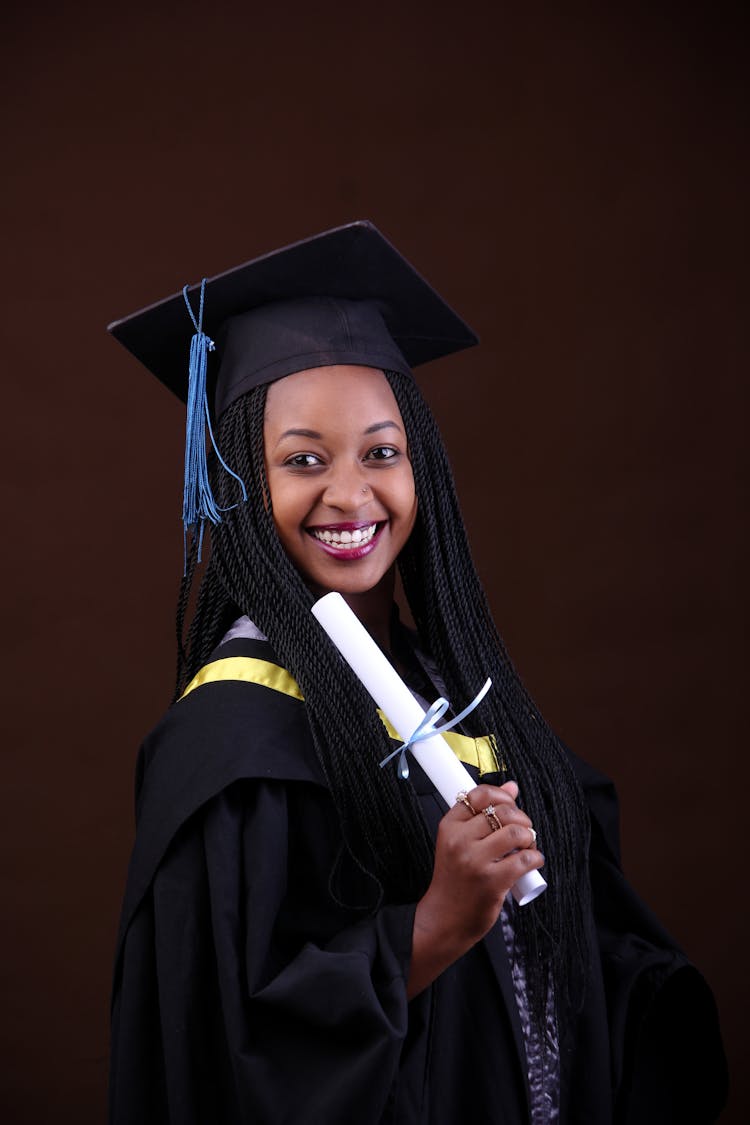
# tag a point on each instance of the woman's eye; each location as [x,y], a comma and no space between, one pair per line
[382,453]
[302,460]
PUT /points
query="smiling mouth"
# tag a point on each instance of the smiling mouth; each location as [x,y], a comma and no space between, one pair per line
[342,539]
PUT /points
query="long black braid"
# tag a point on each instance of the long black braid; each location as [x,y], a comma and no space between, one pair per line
[249,572]
[453,619]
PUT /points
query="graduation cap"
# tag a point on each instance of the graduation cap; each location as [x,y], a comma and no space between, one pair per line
[345,296]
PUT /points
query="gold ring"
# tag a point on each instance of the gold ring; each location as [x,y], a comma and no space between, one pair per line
[492,818]
[462,799]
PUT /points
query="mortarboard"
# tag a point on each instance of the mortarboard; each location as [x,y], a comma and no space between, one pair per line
[345,296]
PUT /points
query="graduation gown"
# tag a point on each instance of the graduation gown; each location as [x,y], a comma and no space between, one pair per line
[244,992]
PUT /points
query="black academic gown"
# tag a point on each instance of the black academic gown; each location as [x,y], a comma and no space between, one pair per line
[244,993]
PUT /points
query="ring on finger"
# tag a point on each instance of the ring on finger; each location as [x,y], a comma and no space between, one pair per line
[463,799]
[492,818]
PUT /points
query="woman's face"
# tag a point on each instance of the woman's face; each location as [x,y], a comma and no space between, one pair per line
[341,482]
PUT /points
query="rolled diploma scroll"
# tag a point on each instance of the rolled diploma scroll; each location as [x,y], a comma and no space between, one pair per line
[394,698]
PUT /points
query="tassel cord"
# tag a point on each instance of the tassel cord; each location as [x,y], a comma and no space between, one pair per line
[198,502]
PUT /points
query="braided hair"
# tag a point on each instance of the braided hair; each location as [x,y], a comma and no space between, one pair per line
[383,830]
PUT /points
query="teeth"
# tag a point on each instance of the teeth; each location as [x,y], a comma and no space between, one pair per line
[346,540]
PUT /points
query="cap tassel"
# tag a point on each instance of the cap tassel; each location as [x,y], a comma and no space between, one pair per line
[198,503]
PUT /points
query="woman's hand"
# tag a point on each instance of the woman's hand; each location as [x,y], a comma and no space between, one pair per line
[476,864]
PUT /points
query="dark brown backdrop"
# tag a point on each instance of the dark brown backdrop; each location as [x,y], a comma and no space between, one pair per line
[575,182]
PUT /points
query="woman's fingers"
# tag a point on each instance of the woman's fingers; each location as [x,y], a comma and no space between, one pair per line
[508,869]
[512,837]
[493,822]
[510,787]
[485,843]
[488,808]
[483,795]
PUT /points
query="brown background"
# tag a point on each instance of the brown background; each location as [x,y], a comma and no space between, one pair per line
[575,182]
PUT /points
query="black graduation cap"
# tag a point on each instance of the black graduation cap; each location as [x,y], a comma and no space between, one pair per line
[345,296]
[377,311]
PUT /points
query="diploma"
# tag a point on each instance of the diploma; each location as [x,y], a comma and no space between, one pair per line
[405,713]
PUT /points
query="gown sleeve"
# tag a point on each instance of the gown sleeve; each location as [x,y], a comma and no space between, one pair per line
[247,994]
[667,1056]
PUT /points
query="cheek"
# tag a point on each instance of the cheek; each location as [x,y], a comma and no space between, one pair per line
[413,518]
[409,505]
[285,508]
[413,493]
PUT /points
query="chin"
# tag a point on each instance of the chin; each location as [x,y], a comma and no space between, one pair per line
[350,585]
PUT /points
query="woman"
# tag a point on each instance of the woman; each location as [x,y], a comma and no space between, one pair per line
[305,936]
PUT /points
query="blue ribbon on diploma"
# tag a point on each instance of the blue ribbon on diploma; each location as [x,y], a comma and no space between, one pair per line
[427,727]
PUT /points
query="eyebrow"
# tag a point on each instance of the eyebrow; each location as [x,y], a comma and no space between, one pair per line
[300,433]
[382,426]
[315,436]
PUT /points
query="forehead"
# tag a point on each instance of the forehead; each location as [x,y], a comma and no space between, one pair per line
[330,394]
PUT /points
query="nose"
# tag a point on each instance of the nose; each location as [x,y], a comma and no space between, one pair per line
[346,488]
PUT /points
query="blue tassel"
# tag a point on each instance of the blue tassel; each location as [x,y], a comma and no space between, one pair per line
[198,503]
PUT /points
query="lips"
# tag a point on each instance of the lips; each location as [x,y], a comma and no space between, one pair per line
[343,538]
[349,540]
